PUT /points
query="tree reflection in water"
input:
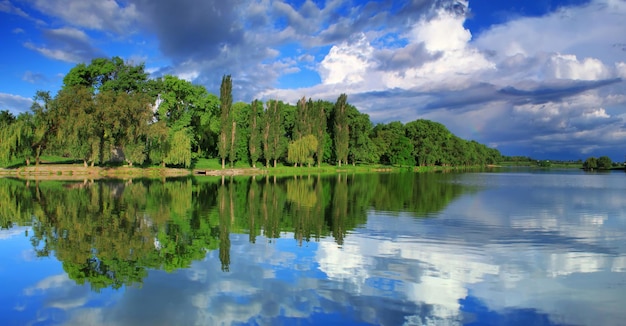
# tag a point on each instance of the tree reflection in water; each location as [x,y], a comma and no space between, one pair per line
[111,233]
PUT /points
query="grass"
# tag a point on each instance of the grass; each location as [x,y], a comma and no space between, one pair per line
[63,167]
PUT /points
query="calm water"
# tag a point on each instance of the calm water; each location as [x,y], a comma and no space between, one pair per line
[515,247]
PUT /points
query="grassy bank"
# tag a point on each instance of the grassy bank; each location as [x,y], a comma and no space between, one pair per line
[59,168]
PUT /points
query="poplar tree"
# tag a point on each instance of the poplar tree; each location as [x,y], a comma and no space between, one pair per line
[265,136]
[228,125]
[319,128]
[342,132]
[304,119]
[273,132]
[254,144]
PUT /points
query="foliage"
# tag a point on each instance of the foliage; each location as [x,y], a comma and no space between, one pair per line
[341,131]
[254,125]
[227,123]
[301,151]
[601,163]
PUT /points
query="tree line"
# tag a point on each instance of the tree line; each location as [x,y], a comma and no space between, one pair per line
[110,110]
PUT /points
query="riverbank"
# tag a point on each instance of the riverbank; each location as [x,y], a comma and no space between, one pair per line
[80,172]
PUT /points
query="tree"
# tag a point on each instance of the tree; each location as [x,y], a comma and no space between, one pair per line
[184,106]
[16,138]
[43,110]
[102,107]
[590,163]
[361,147]
[254,143]
[227,124]
[342,132]
[304,121]
[319,129]
[6,118]
[604,163]
[80,125]
[273,132]
[241,115]
[301,150]
[108,74]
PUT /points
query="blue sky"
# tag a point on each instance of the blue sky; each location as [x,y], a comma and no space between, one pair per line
[539,78]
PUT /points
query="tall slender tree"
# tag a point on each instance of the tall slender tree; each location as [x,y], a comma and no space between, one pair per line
[273,132]
[228,125]
[319,129]
[304,122]
[254,144]
[342,131]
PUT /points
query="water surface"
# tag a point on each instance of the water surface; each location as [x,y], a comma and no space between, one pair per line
[514,247]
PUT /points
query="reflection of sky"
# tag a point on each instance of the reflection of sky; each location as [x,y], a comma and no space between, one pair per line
[526,249]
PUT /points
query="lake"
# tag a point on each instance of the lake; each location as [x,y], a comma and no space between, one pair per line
[501,247]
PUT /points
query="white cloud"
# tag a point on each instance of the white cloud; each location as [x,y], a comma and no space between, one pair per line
[569,67]
[66,44]
[347,63]
[105,15]
[13,232]
[14,103]
[587,31]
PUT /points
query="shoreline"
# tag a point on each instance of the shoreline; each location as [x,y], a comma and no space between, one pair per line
[80,172]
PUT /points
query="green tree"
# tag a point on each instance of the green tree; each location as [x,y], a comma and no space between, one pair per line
[319,129]
[362,148]
[304,121]
[301,151]
[604,163]
[241,115]
[342,131]
[16,138]
[227,124]
[45,127]
[254,123]
[590,163]
[80,131]
[273,132]
[104,74]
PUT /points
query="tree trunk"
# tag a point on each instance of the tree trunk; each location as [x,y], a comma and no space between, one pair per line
[223,162]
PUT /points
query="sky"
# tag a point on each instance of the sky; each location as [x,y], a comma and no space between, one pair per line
[534,78]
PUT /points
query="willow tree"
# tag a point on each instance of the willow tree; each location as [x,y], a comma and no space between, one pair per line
[342,131]
[80,124]
[16,137]
[301,151]
[228,125]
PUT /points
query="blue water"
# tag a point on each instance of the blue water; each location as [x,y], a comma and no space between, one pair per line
[515,247]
